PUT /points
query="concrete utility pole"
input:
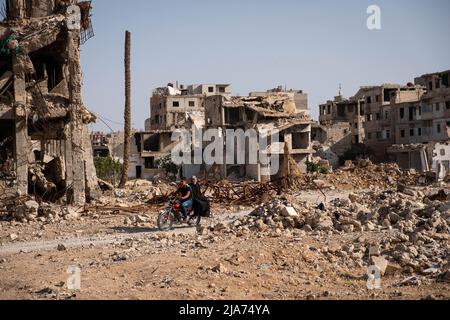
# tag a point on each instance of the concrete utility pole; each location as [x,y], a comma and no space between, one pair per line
[127,134]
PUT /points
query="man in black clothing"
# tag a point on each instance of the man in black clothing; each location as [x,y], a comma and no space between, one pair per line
[184,195]
[201,204]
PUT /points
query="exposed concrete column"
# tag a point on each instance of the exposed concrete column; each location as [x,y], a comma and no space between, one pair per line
[22,143]
[76,124]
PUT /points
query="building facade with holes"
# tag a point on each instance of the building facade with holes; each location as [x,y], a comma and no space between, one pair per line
[44,136]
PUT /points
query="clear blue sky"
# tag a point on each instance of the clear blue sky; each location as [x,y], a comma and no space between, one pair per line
[257,45]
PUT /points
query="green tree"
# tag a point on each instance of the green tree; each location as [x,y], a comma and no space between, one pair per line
[108,169]
[167,164]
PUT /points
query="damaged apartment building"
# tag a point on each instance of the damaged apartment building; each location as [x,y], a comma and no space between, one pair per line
[401,123]
[274,111]
[45,146]
[171,107]
[422,127]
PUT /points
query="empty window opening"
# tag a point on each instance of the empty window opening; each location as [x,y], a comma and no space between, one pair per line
[232,115]
[402,133]
[191,103]
[175,104]
[150,163]
[211,89]
[300,140]
[48,66]
[445,80]
[152,143]
[388,94]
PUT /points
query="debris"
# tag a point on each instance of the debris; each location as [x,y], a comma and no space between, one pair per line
[220,268]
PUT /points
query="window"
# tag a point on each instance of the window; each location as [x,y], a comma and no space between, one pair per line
[438,128]
[438,107]
[402,113]
[419,132]
[386,115]
[191,103]
[379,135]
[448,124]
[430,86]
[442,152]
[369,136]
[175,104]
[437,84]
[329,109]
[211,89]
[378,116]
[150,163]
[356,125]
[388,134]
[377,98]
[402,133]
[445,80]
[222,89]
[420,111]
[369,100]
[447,105]
[411,132]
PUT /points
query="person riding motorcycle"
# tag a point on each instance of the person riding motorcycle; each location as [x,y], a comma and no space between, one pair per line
[185,198]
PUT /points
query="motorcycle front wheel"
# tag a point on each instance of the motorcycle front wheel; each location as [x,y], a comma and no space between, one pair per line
[165,220]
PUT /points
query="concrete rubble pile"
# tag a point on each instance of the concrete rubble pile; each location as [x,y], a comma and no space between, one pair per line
[26,209]
[361,177]
[412,232]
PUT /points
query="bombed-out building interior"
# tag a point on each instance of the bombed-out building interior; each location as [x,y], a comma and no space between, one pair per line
[45,147]
[273,116]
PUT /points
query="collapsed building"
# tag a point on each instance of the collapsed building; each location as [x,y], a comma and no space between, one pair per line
[44,138]
[406,124]
[422,127]
[266,114]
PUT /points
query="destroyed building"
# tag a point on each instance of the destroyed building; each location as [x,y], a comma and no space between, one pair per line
[170,106]
[397,123]
[44,138]
[276,112]
[422,127]
[367,115]
[300,98]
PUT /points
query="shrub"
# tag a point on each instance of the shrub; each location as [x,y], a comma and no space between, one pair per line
[108,169]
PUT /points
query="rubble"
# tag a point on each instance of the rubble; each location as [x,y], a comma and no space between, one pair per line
[416,230]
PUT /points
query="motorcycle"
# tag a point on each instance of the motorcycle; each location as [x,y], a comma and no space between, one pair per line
[172,215]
